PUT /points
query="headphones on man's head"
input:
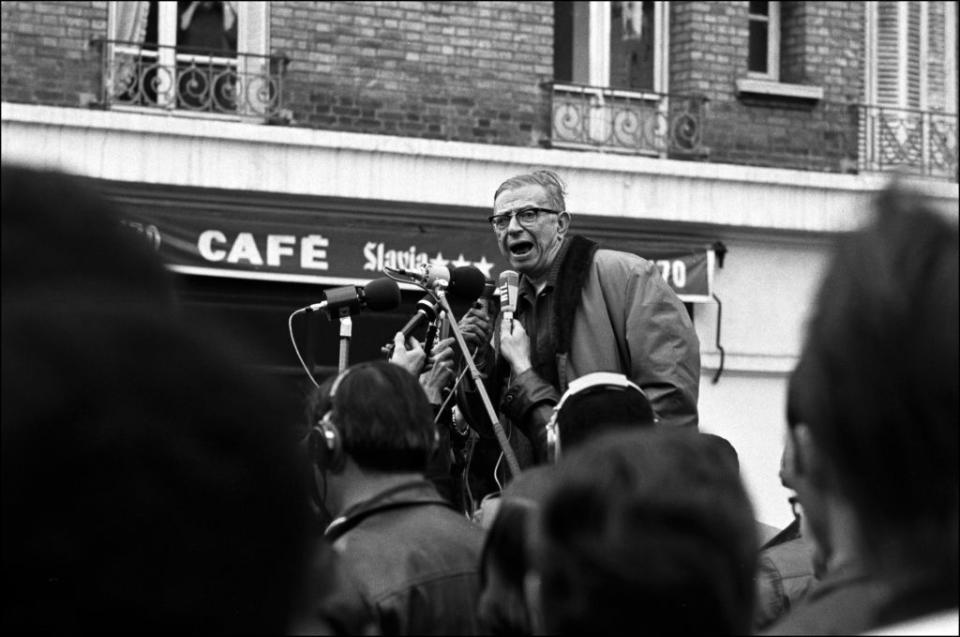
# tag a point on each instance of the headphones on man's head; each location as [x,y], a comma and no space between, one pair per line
[585,386]
[326,440]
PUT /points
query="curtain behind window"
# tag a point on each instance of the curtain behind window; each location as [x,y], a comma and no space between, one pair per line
[130,23]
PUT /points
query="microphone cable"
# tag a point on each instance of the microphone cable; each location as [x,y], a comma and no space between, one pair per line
[296,350]
[456,383]
[398,277]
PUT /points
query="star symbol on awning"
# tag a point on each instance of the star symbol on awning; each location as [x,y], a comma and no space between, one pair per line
[484,266]
[439,261]
[460,262]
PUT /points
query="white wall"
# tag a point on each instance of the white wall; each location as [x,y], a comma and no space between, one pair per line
[748,410]
[766,286]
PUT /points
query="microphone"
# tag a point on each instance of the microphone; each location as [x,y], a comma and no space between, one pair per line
[464,282]
[426,311]
[509,283]
[426,277]
[377,295]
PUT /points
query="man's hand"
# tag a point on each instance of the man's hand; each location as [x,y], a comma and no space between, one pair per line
[515,346]
[439,371]
[476,327]
[411,359]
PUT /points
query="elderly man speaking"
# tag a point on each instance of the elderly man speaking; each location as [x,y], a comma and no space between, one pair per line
[580,309]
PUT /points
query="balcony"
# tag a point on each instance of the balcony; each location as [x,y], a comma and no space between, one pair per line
[825,137]
[906,140]
[176,79]
[641,123]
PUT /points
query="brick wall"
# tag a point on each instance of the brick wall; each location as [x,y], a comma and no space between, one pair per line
[821,45]
[446,70]
[473,71]
[46,53]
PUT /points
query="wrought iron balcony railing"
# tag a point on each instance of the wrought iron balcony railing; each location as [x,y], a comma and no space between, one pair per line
[923,142]
[626,121]
[176,78]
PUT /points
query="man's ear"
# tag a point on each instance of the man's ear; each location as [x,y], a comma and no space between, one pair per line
[563,223]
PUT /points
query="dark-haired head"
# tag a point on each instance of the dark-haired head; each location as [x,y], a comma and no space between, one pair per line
[586,412]
[147,479]
[62,237]
[384,417]
[879,385]
[650,524]
[504,561]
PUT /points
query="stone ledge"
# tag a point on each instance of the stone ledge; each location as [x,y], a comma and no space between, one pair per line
[770,88]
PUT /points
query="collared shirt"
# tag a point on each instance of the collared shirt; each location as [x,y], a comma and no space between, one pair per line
[535,311]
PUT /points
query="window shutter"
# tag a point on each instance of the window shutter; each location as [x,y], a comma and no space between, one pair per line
[911,53]
[936,58]
[888,54]
[914,60]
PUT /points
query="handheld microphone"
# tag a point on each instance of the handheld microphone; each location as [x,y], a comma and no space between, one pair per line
[431,336]
[377,295]
[509,283]
[426,311]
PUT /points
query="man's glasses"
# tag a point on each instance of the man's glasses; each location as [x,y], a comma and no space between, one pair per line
[525,217]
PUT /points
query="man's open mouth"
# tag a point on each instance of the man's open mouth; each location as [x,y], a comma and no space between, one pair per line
[521,248]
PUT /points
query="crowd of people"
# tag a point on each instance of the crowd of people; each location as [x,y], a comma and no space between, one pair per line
[151,484]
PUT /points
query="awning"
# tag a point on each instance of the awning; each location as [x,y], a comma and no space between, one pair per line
[338,242]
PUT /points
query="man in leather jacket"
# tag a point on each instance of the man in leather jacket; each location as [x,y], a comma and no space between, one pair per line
[413,558]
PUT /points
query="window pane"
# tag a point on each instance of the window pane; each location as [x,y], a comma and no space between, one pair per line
[759,8]
[632,45]
[758,47]
[201,26]
[563,41]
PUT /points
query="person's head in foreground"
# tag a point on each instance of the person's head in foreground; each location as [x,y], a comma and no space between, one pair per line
[648,528]
[872,447]
[149,485]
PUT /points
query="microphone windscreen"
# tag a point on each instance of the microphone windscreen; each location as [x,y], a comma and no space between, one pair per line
[509,283]
[381,294]
[466,283]
[433,273]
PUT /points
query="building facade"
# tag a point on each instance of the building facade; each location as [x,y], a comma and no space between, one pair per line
[270,149]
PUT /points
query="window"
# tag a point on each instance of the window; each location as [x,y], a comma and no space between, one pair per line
[910,87]
[911,55]
[610,72]
[619,45]
[207,57]
[764,45]
[633,38]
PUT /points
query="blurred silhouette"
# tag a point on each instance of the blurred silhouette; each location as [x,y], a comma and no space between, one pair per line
[593,404]
[505,560]
[872,449]
[149,484]
[644,529]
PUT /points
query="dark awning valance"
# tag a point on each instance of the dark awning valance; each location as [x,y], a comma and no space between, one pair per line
[331,241]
